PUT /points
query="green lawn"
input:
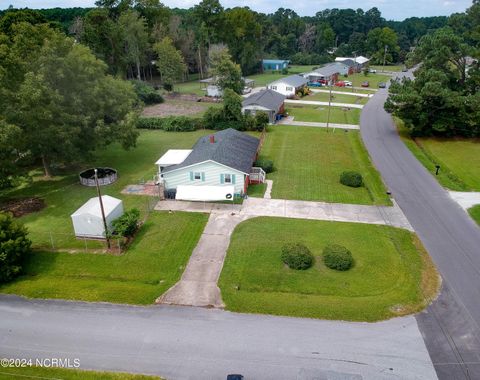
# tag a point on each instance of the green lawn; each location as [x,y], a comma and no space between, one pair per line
[151,264]
[337,98]
[257,191]
[392,273]
[339,115]
[190,87]
[35,373]
[475,213]
[374,79]
[393,68]
[459,159]
[308,163]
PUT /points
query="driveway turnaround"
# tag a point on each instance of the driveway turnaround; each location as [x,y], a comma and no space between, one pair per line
[317,103]
[194,343]
[290,121]
[451,324]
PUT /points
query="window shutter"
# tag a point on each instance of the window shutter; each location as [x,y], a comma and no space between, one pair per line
[191,176]
[222,178]
[233,179]
[203,176]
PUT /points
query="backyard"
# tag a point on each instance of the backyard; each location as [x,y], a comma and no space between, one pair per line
[312,113]
[308,162]
[176,107]
[152,263]
[392,273]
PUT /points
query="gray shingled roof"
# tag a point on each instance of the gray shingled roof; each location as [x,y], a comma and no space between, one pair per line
[231,148]
[269,99]
[328,70]
[292,80]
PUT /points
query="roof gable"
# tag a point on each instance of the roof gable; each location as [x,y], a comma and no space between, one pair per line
[292,80]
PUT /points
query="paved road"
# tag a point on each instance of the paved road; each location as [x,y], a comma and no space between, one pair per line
[451,325]
[194,343]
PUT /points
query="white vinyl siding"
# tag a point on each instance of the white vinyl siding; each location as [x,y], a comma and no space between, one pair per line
[211,175]
[283,89]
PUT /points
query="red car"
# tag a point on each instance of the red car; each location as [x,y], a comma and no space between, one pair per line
[340,84]
[366,84]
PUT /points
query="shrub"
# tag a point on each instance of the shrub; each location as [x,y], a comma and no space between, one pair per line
[170,123]
[146,93]
[284,71]
[261,121]
[337,257]
[266,165]
[297,256]
[127,224]
[168,87]
[351,178]
[14,245]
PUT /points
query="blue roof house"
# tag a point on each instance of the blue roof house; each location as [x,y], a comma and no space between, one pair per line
[274,64]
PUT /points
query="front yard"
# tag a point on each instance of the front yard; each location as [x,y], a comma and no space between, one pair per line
[392,273]
[337,98]
[319,114]
[373,79]
[308,162]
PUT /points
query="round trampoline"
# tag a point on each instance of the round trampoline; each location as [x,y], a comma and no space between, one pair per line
[106,176]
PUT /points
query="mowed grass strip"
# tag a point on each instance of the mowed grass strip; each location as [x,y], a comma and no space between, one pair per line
[308,162]
[35,373]
[392,274]
[319,114]
[475,213]
[152,264]
[459,159]
[337,98]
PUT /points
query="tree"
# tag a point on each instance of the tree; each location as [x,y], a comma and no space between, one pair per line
[227,74]
[65,104]
[134,36]
[382,43]
[10,154]
[14,246]
[170,62]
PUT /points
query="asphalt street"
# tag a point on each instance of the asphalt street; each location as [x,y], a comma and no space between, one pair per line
[197,343]
[451,324]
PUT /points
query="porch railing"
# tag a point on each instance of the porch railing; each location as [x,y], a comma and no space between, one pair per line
[257,175]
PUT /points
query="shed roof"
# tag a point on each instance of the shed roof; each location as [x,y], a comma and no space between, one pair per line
[231,148]
[292,80]
[173,157]
[92,206]
[269,99]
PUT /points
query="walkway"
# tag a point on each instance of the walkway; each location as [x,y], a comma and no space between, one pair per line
[198,285]
[290,121]
[466,200]
[180,343]
[317,103]
[357,94]
[451,324]
[268,190]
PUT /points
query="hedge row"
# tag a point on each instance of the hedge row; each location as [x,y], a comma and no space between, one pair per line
[171,123]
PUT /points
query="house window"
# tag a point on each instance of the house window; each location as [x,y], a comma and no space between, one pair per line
[289,88]
[197,176]
[274,88]
[228,178]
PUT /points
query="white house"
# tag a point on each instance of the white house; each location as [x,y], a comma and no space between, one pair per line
[88,221]
[217,165]
[268,101]
[288,86]
[212,90]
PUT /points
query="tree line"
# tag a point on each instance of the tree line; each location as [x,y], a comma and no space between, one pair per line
[123,33]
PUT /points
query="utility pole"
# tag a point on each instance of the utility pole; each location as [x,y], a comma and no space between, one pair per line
[384,58]
[329,105]
[102,209]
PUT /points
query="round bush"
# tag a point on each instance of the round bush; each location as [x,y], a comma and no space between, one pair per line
[297,256]
[266,165]
[352,179]
[337,257]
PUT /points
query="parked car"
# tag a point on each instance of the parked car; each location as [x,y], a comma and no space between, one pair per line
[314,84]
[340,84]
[405,69]
[348,83]
[366,84]
[247,90]
[382,85]
[373,71]
[235,377]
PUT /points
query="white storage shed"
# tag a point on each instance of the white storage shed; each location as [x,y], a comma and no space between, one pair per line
[87,220]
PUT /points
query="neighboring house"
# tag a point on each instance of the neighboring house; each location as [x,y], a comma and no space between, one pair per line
[221,160]
[211,89]
[327,74]
[288,86]
[347,67]
[275,64]
[360,61]
[88,220]
[269,101]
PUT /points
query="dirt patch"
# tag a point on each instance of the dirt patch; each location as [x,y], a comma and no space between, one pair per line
[174,108]
[23,206]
